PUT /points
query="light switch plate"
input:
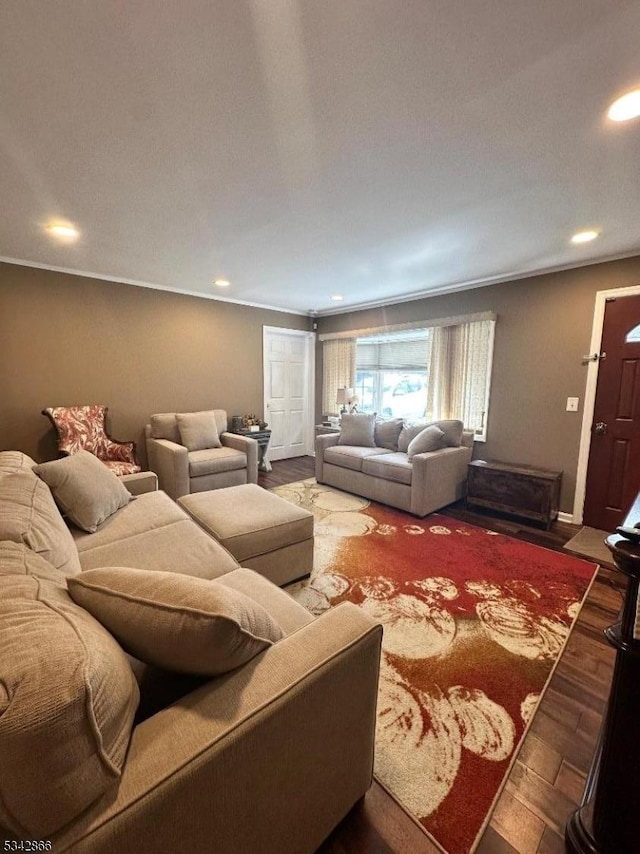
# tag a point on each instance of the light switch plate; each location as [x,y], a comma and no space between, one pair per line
[572,404]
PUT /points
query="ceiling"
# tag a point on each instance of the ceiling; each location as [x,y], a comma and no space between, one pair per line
[378,149]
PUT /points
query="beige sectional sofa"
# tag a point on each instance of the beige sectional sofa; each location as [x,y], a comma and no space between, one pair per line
[267,757]
[386,473]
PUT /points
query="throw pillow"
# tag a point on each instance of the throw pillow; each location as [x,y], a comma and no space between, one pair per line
[408,433]
[198,430]
[175,621]
[387,433]
[357,429]
[430,439]
[84,489]
[67,701]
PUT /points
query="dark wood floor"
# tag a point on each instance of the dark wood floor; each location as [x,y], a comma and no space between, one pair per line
[546,783]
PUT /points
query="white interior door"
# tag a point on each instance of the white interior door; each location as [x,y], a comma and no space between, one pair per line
[288,391]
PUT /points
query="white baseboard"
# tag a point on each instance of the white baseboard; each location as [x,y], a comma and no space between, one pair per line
[566,517]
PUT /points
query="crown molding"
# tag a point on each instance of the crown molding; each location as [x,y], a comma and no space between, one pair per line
[151,285]
[513,276]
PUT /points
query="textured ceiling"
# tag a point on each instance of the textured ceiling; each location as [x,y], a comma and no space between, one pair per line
[380,149]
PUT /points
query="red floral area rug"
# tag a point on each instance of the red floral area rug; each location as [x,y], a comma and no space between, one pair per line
[474,624]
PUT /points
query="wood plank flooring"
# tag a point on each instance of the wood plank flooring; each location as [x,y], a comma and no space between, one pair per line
[546,782]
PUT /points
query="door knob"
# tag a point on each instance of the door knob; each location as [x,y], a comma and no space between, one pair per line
[600,428]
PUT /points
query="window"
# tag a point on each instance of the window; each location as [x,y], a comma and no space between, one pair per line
[392,373]
[634,336]
[436,372]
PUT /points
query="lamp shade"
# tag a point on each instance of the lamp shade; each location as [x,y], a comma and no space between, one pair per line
[344,396]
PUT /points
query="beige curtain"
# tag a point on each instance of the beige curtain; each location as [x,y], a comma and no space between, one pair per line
[339,370]
[458,377]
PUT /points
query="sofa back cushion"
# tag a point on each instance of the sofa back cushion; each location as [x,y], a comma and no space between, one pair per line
[69,700]
[387,432]
[28,514]
[357,429]
[164,425]
[408,434]
[452,429]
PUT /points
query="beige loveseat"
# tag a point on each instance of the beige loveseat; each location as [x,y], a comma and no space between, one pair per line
[230,461]
[265,758]
[386,473]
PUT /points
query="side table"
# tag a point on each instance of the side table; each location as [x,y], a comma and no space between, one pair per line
[324,429]
[263,438]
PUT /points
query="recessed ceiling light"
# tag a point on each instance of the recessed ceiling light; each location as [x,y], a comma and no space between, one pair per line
[337,297]
[63,231]
[222,283]
[625,108]
[584,236]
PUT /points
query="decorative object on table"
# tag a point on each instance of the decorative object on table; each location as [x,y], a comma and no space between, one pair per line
[344,398]
[236,423]
[474,625]
[83,428]
[253,423]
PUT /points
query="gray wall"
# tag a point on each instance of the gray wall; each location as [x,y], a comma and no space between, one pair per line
[68,340]
[543,329]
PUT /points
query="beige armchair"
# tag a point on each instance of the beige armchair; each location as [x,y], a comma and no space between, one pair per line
[184,464]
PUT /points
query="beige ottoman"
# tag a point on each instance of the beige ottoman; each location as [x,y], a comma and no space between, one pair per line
[261,530]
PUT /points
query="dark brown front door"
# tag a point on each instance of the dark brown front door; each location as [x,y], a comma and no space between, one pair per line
[613,474]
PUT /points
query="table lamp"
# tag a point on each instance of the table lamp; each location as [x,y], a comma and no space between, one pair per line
[343,398]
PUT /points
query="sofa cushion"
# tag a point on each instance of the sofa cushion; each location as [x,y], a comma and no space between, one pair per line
[149,511]
[164,425]
[452,429]
[387,432]
[351,457]
[284,609]
[176,621]
[28,514]
[152,532]
[357,429]
[198,430]
[394,467]
[69,700]
[429,439]
[215,461]
[85,490]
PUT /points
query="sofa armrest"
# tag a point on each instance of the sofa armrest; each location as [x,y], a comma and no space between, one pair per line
[438,478]
[249,447]
[140,482]
[267,758]
[170,462]
[324,441]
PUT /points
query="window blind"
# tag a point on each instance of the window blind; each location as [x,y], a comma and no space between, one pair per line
[401,354]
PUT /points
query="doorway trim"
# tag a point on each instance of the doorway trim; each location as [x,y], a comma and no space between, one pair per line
[590,395]
[309,338]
